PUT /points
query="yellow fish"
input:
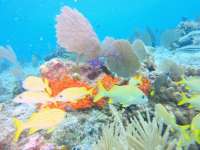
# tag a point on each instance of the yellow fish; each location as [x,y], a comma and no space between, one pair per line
[194,101]
[36,84]
[73,94]
[30,97]
[125,94]
[44,119]
[170,119]
[165,116]
[195,128]
[194,84]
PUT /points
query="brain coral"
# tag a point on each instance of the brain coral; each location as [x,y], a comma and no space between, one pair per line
[75,33]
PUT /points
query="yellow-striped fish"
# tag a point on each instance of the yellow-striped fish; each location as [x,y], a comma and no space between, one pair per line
[44,119]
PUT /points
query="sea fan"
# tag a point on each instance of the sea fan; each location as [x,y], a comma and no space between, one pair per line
[75,33]
[121,58]
[168,37]
[175,71]
[8,54]
[140,49]
[147,36]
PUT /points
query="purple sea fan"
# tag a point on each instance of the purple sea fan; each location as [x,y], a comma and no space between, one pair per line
[75,33]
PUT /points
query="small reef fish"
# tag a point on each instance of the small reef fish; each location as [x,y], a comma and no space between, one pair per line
[36,84]
[30,97]
[44,119]
[125,95]
[194,101]
[73,94]
[165,116]
[169,119]
[193,84]
[195,128]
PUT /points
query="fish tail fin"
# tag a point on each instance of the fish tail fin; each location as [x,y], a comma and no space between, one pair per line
[182,81]
[183,100]
[183,129]
[19,129]
[47,87]
[101,91]
[91,91]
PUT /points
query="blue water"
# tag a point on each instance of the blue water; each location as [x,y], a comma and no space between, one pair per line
[29,25]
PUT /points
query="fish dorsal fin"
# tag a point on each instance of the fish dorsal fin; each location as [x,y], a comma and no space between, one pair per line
[32,130]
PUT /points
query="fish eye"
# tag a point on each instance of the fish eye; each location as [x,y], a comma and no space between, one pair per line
[61,96]
[20,97]
[143,96]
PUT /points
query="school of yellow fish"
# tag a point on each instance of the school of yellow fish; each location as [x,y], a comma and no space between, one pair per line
[37,91]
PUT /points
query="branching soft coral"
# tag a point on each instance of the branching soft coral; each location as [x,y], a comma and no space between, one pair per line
[140,134]
[8,54]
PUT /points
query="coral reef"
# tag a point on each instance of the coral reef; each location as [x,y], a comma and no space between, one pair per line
[80,128]
[104,95]
[139,134]
[164,89]
[57,69]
